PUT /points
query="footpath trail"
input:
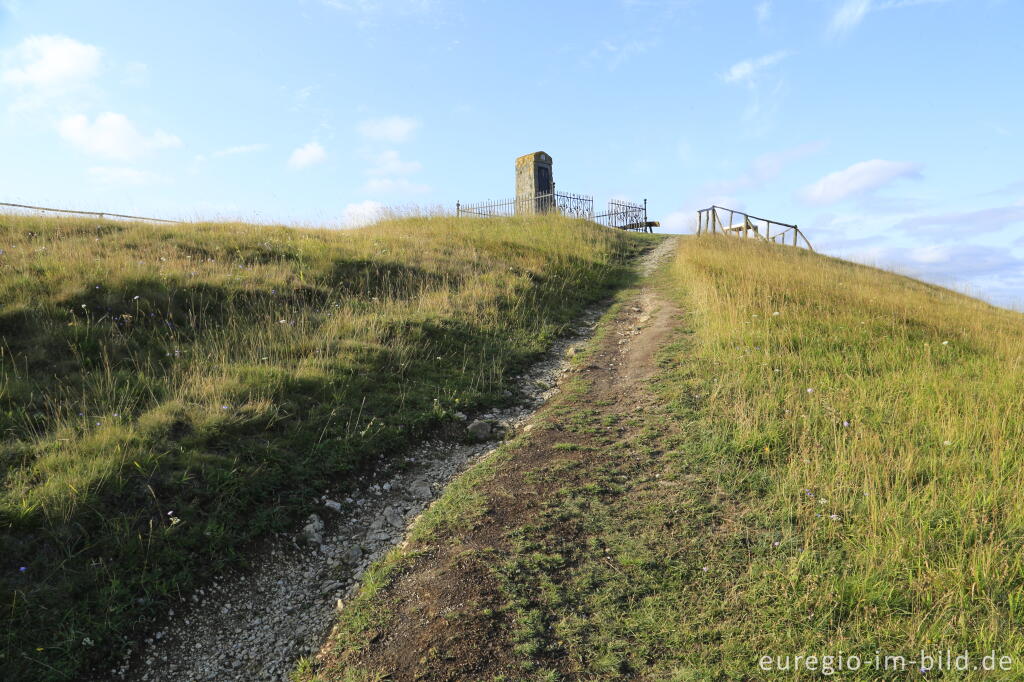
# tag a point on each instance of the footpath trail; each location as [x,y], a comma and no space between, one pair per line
[254,627]
[452,607]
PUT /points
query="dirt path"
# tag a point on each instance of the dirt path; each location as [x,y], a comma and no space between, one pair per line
[253,627]
[441,616]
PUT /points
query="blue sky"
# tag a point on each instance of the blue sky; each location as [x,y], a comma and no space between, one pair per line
[889,130]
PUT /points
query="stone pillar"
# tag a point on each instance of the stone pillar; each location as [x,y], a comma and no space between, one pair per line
[534,181]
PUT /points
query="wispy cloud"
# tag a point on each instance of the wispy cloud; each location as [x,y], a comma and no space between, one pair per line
[848,16]
[747,70]
[970,222]
[858,180]
[307,155]
[616,53]
[392,129]
[1012,188]
[113,136]
[850,13]
[44,68]
[763,10]
[390,163]
[763,170]
[766,91]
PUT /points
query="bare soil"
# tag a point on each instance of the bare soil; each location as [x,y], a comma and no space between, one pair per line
[446,617]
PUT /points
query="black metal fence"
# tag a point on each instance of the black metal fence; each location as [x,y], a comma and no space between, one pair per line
[566,203]
[623,215]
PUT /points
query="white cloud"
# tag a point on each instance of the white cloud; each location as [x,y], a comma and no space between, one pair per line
[113,136]
[43,67]
[763,170]
[857,180]
[114,175]
[389,129]
[747,70]
[764,11]
[240,149]
[391,163]
[615,54]
[851,13]
[362,213]
[848,16]
[982,220]
[307,155]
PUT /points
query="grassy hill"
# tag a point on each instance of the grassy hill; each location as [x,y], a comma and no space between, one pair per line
[168,394]
[827,460]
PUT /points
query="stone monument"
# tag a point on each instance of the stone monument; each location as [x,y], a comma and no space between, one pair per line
[535,184]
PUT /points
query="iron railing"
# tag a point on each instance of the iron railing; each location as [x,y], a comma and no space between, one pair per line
[566,203]
[624,215]
[740,224]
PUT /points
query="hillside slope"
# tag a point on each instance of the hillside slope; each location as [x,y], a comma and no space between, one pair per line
[766,453]
[168,394]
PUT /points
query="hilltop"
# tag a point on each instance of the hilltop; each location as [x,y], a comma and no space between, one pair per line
[169,395]
[764,452]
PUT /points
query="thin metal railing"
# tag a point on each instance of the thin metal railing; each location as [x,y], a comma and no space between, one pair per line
[92,213]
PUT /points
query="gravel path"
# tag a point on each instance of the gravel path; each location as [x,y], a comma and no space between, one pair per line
[253,627]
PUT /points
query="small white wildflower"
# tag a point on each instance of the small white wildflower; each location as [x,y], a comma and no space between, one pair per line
[834,517]
[775,313]
[945,343]
[822,501]
[947,442]
[810,390]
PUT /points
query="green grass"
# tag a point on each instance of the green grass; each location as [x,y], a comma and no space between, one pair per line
[169,394]
[741,515]
[878,512]
[870,425]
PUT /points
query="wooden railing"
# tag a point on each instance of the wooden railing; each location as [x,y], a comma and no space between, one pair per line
[710,221]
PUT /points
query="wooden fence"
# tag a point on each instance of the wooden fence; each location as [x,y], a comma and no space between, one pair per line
[740,224]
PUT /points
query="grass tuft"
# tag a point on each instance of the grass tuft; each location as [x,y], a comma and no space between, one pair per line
[170,394]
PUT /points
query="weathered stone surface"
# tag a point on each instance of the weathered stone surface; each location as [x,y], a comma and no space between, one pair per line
[313,531]
[394,517]
[533,177]
[479,430]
